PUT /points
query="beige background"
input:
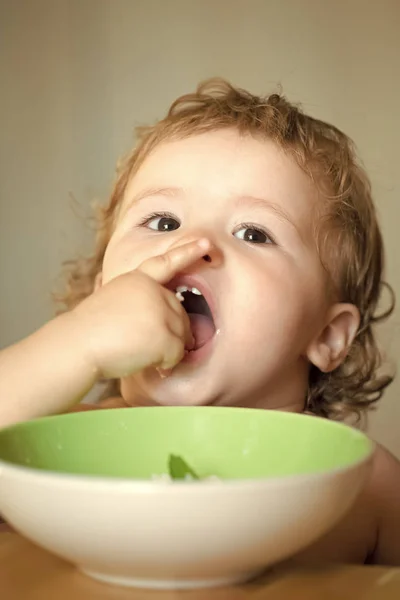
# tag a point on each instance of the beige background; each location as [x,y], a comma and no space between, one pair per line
[77,75]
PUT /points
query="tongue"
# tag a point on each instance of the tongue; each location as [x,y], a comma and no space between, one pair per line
[202,329]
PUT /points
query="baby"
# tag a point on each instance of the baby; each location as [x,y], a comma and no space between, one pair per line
[238,263]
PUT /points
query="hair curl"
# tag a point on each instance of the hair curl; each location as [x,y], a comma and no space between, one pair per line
[347,233]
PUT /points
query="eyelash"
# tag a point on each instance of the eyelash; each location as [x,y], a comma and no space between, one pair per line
[167,215]
[259,229]
[157,215]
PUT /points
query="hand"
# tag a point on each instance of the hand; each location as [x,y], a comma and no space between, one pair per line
[134,322]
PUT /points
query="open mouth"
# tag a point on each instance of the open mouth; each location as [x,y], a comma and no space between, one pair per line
[199,312]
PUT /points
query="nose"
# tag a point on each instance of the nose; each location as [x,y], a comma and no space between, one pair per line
[214,256]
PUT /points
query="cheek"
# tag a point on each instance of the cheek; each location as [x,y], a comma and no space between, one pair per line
[127,255]
[118,259]
[275,305]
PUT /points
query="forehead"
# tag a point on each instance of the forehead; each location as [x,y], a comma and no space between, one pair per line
[224,163]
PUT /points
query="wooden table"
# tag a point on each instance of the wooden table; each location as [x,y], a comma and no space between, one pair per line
[29,573]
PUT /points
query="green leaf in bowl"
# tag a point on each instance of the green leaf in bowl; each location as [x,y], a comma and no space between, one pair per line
[179,469]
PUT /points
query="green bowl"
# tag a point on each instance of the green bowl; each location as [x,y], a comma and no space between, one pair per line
[81,486]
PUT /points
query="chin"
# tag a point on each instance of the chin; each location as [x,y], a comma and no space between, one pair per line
[182,388]
[181,395]
[180,402]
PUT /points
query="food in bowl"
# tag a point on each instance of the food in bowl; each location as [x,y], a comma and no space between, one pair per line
[179,470]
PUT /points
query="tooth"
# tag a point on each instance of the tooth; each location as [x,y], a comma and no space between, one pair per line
[182,288]
[179,296]
[196,291]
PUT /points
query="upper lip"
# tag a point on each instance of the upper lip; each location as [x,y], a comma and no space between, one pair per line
[196,281]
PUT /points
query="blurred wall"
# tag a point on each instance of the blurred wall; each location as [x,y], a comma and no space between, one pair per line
[77,75]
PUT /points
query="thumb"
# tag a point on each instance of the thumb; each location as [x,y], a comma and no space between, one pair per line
[164,267]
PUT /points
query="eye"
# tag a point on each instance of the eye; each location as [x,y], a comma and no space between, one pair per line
[253,234]
[161,222]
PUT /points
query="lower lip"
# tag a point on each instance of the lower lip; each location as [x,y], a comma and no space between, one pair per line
[200,354]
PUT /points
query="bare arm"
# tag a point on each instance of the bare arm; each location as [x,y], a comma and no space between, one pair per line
[46,373]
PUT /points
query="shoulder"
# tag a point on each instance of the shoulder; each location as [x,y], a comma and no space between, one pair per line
[384,491]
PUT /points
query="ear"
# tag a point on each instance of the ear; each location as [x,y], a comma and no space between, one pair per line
[98,282]
[330,348]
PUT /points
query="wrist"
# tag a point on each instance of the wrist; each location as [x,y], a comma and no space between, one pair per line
[79,340]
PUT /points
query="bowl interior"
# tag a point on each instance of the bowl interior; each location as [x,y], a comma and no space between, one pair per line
[227,442]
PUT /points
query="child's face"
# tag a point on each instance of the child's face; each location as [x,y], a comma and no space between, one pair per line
[270,297]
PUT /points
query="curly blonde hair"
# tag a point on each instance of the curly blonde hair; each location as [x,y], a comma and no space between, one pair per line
[348,235]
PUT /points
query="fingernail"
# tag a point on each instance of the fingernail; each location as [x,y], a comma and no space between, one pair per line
[163,373]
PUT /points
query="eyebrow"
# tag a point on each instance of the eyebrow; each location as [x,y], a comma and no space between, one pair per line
[256,202]
[266,204]
[170,192]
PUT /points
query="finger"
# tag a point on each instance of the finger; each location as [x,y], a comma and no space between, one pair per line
[179,325]
[164,267]
[178,309]
[189,339]
[173,300]
[176,351]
